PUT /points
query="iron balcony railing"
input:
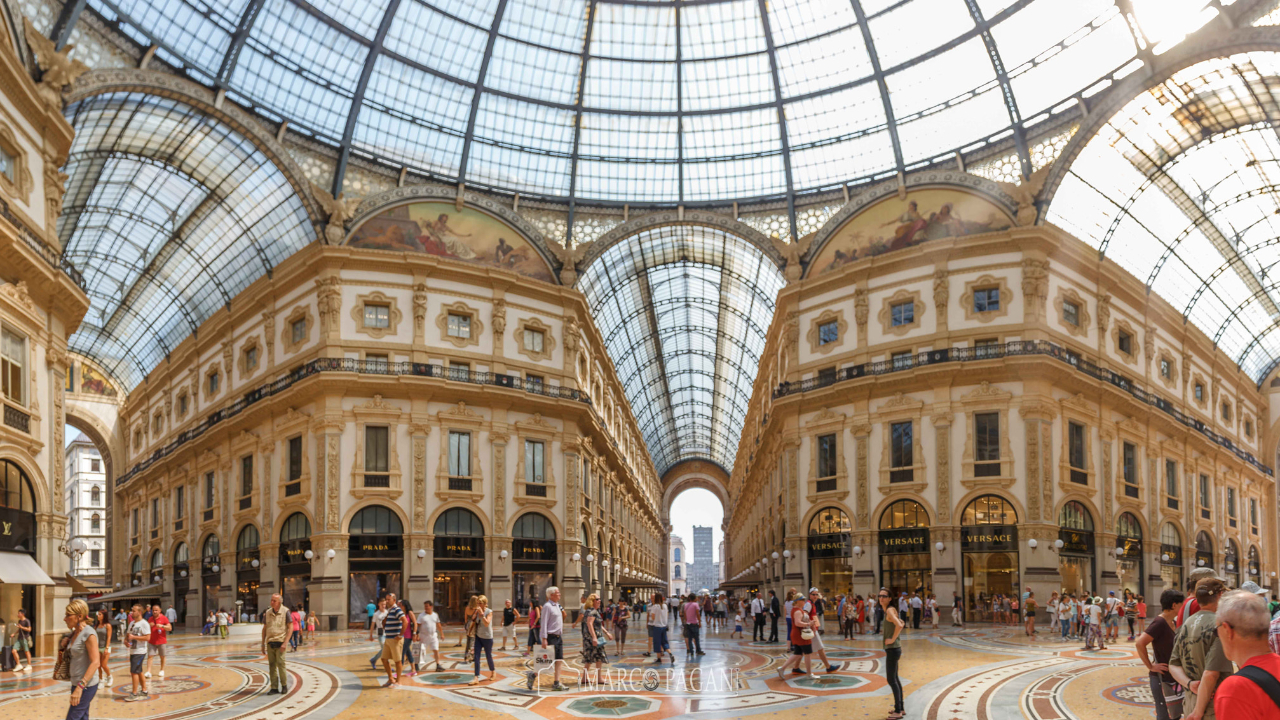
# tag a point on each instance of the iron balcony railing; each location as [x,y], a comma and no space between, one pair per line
[367,367]
[1015,349]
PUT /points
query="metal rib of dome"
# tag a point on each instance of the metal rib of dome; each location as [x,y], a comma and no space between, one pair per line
[1180,188]
[654,101]
[170,214]
[684,311]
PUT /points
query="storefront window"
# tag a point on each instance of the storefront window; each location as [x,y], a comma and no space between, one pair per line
[247,575]
[905,563]
[375,560]
[459,562]
[1129,562]
[989,547]
[295,568]
[1076,558]
[1171,556]
[1231,564]
[1204,550]
[210,578]
[830,548]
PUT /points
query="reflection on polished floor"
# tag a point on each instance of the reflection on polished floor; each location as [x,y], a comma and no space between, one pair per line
[950,674]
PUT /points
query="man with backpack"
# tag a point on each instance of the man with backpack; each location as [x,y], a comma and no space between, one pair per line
[1254,691]
[1111,616]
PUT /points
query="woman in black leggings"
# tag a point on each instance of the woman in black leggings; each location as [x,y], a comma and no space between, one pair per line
[892,652]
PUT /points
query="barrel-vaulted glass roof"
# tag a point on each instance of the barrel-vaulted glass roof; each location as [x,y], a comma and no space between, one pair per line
[169,214]
[684,311]
[657,101]
[1180,188]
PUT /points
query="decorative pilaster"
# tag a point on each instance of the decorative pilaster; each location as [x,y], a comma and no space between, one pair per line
[57,380]
[942,464]
[267,450]
[1032,430]
[1046,457]
[793,468]
[331,471]
[1107,490]
[862,469]
[571,497]
[941,297]
[861,310]
[418,433]
[419,313]
[500,486]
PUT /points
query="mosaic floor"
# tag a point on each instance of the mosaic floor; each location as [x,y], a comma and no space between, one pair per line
[949,674]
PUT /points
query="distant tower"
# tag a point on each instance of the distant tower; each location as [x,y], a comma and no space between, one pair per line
[85,497]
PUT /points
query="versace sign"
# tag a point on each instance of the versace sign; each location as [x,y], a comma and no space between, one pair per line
[907,540]
[829,546]
[989,538]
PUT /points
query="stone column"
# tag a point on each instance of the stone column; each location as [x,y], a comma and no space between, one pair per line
[268,571]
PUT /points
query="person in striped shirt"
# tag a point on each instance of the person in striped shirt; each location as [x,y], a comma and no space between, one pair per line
[392,641]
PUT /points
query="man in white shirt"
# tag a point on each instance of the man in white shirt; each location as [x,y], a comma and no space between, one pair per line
[172,615]
[1095,626]
[551,632]
[375,628]
[917,605]
[139,635]
[757,612]
[1111,617]
[430,634]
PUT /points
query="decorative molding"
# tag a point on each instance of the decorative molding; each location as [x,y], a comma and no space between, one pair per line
[685,217]
[20,185]
[536,325]
[1035,288]
[983,283]
[942,296]
[942,471]
[460,308]
[900,297]
[420,298]
[1122,326]
[813,336]
[1164,355]
[301,312]
[242,359]
[377,298]
[1067,293]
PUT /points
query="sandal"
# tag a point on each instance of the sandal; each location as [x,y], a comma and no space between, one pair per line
[475,681]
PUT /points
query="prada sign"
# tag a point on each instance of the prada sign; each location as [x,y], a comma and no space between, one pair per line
[389,547]
[535,550]
[17,530]
[989,538]
[906,540]
[1076,542]
[466,548]
[829,546]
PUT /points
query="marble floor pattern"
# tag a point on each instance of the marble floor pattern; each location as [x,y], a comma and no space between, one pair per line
[982,673]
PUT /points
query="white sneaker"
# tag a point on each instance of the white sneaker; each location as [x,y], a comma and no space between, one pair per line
[27,669]
[110,681]
[161,674]
[17,670]
[147,674]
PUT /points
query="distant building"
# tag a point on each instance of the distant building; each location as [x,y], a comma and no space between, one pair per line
[678,564]
[703,573]
[85,497]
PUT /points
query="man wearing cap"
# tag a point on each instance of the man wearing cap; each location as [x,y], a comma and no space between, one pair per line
[1190,606]
[1198,661]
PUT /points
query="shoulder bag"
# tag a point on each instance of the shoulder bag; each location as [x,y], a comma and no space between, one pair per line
[1264,680]
[62,669]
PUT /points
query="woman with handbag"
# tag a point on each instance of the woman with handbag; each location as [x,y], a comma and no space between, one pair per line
[469,626]
[78,660]
[595,638]
[892,653]
[801,638]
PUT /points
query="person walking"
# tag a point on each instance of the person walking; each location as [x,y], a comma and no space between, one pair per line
[893,625]
[392,641]
[1159,635]
[932,606]
[1131,613]
[620,621]
[222,619]
[311,625]
[775,609]
[757,618]
[1111,612]
[104,630]
[1142,613]
[813,607]
[957,610]
[1243,634]
[595,638]
[430,635]
[786,610]
[407,633]
[80,651]
[1064,611]
[23,644]
[1197,661]
[172,615]
[294,617]
[693,628]
[276,631]
[801,637]
[158,646]
[139,634]
[375,631]
[484,637]
[551,632]
[657,620]
[509,617]
[469,626]
[535,616]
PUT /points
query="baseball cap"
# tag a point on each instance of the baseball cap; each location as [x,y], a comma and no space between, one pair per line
[1113,592]
[1253,587]
[813,590]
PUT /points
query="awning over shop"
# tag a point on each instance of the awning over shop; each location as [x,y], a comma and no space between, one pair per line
[145,591]
[21,569]
[80,587]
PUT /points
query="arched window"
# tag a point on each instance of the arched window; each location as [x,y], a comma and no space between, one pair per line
[904,514]
[136,566]
[248,539]
[15,488]
[297,527]
[458,522]
[1255,564]
[1127,526]
[1204,543]
[157,560]
[989,510]
[830,521]
[181,554]
[95,495]
[1075,516]
[1169,535]
[533,526]
[379,520]
[212,548]
[95,523]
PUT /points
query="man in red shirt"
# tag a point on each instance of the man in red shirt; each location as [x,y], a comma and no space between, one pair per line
[1254,692]
[159,644]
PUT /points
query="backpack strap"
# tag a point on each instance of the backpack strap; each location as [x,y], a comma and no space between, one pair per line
[1264,680]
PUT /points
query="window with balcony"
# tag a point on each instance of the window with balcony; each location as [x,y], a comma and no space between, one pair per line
[13,366]
[376,455]
[534,382]
[459,460]
[459,371]
[827,375]
[901,459]
[1129,464]
[901,360]
[376,363]
[1076,453]
[1171,484]
[986,444]
[377,316]
[902,314]
[459,326]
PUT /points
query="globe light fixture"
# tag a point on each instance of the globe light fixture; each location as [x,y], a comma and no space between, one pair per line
[423,553]
[1032,543]
[308,554]
[1200,563]
[331,553]
[1057,544]
[214,568]
[775,554]
[576,557]
[938,546]
[591,558]
[786,553]
[183,573]
[255,562]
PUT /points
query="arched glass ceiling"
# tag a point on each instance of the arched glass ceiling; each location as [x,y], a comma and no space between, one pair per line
[684,311]
[1180,189]
[169,213]
[644,101]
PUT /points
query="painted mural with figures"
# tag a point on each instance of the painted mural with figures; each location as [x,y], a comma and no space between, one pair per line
[440,229]
[894,224]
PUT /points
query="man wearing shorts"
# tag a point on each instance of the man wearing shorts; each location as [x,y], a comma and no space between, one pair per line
[550,634]
[430,634]
[1111,616]
[392,641]
[509,617]
[138,638]
[23,643]
[158,646]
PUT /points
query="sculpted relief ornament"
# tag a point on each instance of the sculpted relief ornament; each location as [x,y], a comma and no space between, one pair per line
[339,210]
[56,69]
[792,253]
[569,259]
[1024,194]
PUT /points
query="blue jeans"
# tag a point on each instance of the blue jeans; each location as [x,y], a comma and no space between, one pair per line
[659,635]
[80,711]
[1066,627]
[485,644]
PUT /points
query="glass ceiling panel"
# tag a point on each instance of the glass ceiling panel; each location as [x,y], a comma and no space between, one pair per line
[1180,188]
[684,311]
[170,214]
[671,60]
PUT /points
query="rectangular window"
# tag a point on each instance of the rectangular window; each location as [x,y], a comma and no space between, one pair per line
[375,448]
[827,456]
[1070,313]
[246,476]
[13,353]
[377,316]
[986,440]
[133,524]
[1253,515]
[95,558]
[155,512]
[1171,483]
[459,454]
[1166,368]
[298,330]
[1248,428]
[902,314]
[208,490]
[459,326]
[95,465]
[1124,341]
[534,461]
[901,360]
[295,458]
[1226,411]
[1075,447]
[1204,496]
[179,502]
[1231,507]
[95,524]
[900,446]
[182,404]
[1130,462]
[251,358]
[215,381]
[986,348]
[1199,392]
[533,340]
[986,300]
[828,332]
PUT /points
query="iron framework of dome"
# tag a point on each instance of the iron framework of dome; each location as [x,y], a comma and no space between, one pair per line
[656,101]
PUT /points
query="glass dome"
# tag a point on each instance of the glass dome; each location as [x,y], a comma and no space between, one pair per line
[651,101]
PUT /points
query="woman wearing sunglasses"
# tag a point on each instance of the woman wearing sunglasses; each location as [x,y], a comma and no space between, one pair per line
[892,652]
